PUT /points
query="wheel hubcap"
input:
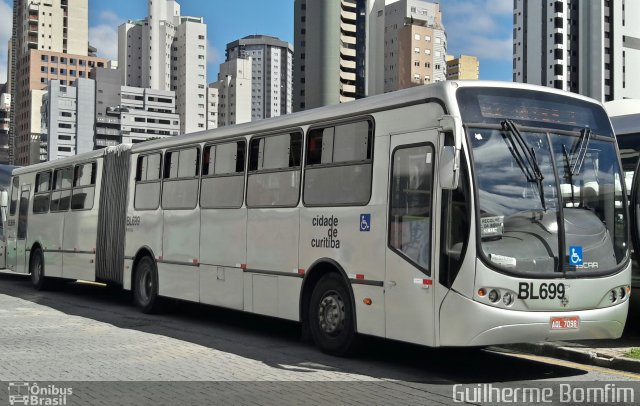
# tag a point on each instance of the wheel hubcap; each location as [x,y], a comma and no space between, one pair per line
[331,313]
[37,270]
[145,286]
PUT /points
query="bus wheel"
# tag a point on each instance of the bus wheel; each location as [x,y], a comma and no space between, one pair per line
[331,316]
[145,288]
[36,268]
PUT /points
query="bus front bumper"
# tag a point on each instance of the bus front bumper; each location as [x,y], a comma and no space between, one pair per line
[467,323]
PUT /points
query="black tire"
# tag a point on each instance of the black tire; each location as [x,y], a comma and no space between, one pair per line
[331,316]
[145,287]
[36,268]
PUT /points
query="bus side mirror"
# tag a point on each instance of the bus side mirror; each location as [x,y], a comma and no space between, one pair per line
[449,167]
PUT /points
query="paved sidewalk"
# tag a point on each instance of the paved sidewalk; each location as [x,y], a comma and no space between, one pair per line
[42,344]
[602,353]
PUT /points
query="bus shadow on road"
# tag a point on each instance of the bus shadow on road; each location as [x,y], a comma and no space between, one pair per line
[277,342]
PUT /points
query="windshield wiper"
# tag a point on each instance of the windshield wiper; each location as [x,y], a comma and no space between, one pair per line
[580,151]
[525,157]
[569,175]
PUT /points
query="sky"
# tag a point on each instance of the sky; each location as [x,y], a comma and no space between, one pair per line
[474,27]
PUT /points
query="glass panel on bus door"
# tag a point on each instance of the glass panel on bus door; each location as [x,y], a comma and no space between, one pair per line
[12,222]
[23,217]
[410,280]
[635,226]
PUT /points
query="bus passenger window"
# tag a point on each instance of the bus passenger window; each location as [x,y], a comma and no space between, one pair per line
[61,195]
[223,176]
[84,180]
[180,184]
[274,171]
[147,192]
[410,211]
[42,195]
[339,165]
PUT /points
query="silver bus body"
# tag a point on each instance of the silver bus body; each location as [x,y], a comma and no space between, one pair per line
[260,239]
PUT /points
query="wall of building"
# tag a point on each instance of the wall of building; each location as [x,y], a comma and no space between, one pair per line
[415,44]
[189,76]
[271,75]
[587,47]
[168,51]
[234,92]
[465,67]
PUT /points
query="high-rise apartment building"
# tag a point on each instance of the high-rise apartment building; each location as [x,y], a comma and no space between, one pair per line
[5,108]
[68,118]
[415,44]
[126,114]
[234,87]
[168,51]
[586,47]
[330,42]
[51,28]
[271,70]
[212,107]
[464,67]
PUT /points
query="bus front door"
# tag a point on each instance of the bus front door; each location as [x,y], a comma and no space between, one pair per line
[634,206]
[410,269]
[21,235]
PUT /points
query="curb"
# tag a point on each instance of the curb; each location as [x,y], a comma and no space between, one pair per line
[581,357]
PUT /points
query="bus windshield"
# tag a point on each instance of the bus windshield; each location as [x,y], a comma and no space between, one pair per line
[542,192]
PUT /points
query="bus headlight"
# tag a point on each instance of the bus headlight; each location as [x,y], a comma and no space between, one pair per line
[494,296]
[622,293]
[508,299]
[613,296]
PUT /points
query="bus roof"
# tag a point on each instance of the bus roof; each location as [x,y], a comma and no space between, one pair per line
[442,91]
[70,160]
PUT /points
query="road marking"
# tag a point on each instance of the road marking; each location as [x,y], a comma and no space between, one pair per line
[570,364]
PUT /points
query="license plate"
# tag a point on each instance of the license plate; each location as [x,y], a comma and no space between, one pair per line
[565,323]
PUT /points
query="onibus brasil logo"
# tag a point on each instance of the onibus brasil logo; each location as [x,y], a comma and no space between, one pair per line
[31,394]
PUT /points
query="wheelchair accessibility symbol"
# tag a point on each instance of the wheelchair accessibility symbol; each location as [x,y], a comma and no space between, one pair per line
[575,256]
[365,222]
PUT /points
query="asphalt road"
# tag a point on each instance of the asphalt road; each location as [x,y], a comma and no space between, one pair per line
[192,354]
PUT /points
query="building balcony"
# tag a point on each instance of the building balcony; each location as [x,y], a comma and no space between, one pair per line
[348,41]
[347,76]
[345,64]
[348,16]
[346,52]
[347,28]
[107,131]
[348,5]
[106,143]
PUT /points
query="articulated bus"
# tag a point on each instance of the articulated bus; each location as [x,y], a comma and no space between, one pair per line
[625,118]
[455,214]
